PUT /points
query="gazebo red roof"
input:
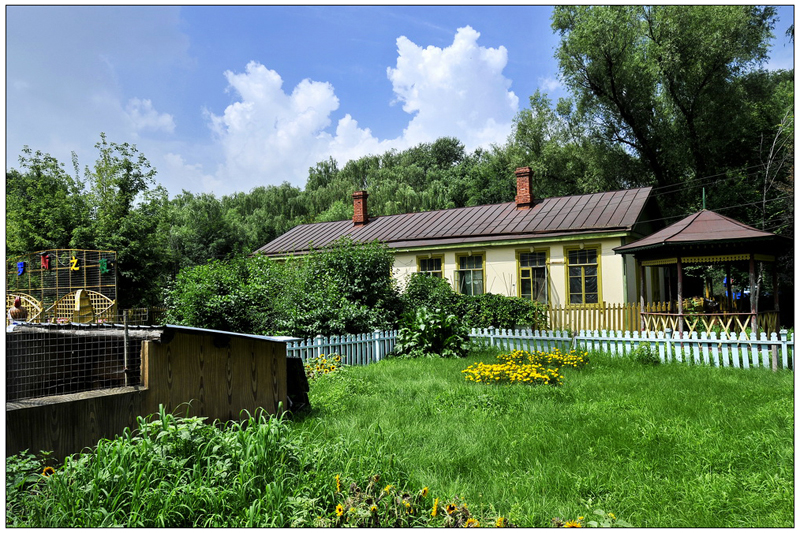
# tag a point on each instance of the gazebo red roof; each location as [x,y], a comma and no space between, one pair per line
[703,227]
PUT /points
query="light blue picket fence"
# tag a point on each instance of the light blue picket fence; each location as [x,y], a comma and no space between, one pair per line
[740,351]
[727,350]
[360,349]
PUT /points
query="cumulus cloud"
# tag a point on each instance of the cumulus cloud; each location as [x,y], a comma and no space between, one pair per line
[270,135]
[456,91]
[143,116]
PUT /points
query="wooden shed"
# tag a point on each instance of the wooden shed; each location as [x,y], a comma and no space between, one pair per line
[190,371]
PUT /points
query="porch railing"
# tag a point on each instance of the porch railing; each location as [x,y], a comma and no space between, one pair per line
[656,316]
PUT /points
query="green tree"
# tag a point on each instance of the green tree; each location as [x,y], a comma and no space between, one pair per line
[45,206]
[660,79]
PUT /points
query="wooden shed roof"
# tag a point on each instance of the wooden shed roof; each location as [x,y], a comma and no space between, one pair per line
[551,217]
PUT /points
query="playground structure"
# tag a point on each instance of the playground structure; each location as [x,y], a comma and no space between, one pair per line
[64,285]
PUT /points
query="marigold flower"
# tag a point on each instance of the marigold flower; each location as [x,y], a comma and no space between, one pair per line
[339,510]
[48,471]
[573,523]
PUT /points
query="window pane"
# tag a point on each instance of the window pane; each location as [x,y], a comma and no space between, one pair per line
[464,281]
[575,287]
[526,288]
[591,298]
[575,299]
[590,284]
[477,284]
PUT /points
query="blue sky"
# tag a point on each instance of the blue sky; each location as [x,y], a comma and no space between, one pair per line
[224,99]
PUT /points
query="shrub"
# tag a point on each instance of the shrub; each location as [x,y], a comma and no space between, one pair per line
[646,354]
[481,311]
[346,287]
[503,312]
[431,333]
[429,292]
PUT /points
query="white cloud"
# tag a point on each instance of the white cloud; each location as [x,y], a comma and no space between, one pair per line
[189,175]
[269,136]
[549,85]
[143,116]
[457,91]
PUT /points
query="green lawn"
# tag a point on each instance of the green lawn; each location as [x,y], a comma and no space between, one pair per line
[657,446]
[663,446]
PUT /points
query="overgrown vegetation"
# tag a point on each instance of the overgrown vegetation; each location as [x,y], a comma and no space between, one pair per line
[617,443]
[343,288]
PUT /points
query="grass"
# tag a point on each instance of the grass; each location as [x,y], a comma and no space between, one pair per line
[660,446]
[657,446]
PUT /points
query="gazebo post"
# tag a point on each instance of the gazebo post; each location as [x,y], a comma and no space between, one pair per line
[753,300]
[680,296]
[728,287]
[777,299]
[642,291]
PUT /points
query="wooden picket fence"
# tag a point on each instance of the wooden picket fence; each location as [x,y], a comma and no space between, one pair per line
[656,316]
[612,317]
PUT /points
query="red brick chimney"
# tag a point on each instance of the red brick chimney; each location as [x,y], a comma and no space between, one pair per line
[360,216]
[524,197]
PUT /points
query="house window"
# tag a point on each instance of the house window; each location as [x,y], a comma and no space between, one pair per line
[430,266]
[583,269]
[469,275]
[533,276]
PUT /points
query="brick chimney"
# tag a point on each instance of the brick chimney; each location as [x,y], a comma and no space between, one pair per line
[360,216]
[524,197]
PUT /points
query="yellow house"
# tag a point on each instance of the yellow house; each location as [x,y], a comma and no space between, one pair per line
[558,251]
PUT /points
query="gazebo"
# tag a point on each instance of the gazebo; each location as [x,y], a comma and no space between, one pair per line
[706,237]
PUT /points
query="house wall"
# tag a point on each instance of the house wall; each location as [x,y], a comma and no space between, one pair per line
[617,274]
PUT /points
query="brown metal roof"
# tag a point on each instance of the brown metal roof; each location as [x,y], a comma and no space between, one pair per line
[581,214]
[703,227]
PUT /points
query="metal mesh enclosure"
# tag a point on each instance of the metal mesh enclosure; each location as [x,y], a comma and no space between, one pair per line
[51,359]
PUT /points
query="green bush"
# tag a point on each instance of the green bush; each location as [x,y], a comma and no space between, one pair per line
[344,288]
[481,311]
[502,312]
[645,354]
[432,333]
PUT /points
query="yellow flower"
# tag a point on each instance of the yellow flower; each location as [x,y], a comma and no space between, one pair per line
[424,492]
[580,518]
[573,523]
[451,508]
[338,485]
[388,488]
[471,522]
[48,471]
[612,516]
[339,510]
[435,507]
[373,509]
[501,522]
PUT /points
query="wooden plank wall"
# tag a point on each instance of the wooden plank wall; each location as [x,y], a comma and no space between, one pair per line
[217,375]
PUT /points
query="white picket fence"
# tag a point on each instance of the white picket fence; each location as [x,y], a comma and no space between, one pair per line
[359,349]
[727,350]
